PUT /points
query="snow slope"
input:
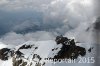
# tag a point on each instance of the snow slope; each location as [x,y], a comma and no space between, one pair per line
[34,53]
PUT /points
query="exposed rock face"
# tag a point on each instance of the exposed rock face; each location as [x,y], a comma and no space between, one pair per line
[18,62]
[18,54]
[25,47]
[5,53]
[90,49]
[36,56]
[69,50]
[61,39]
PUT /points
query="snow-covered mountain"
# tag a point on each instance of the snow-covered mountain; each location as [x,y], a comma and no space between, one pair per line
[42,53]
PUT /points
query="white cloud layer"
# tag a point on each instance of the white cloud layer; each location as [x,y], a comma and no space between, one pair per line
[44,17]
[14,39]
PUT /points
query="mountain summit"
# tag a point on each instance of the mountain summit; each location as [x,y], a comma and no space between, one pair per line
[38,53]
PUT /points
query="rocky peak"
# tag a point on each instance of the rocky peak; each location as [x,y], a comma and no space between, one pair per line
[37,53]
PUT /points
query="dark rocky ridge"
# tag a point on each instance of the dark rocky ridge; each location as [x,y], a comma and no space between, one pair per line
[69,50]
[5,53]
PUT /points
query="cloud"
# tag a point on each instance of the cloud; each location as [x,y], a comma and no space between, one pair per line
[96,7]
[22,4]
[29,17]
[15,39]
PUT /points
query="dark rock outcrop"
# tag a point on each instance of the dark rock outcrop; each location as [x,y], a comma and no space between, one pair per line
[19,54]
[90,49]
[25,47]
[18,62]
[69,49]
[5,53]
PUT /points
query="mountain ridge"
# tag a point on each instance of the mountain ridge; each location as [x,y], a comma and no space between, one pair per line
[34,53]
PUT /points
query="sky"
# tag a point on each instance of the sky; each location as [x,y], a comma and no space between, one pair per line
[23,20]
